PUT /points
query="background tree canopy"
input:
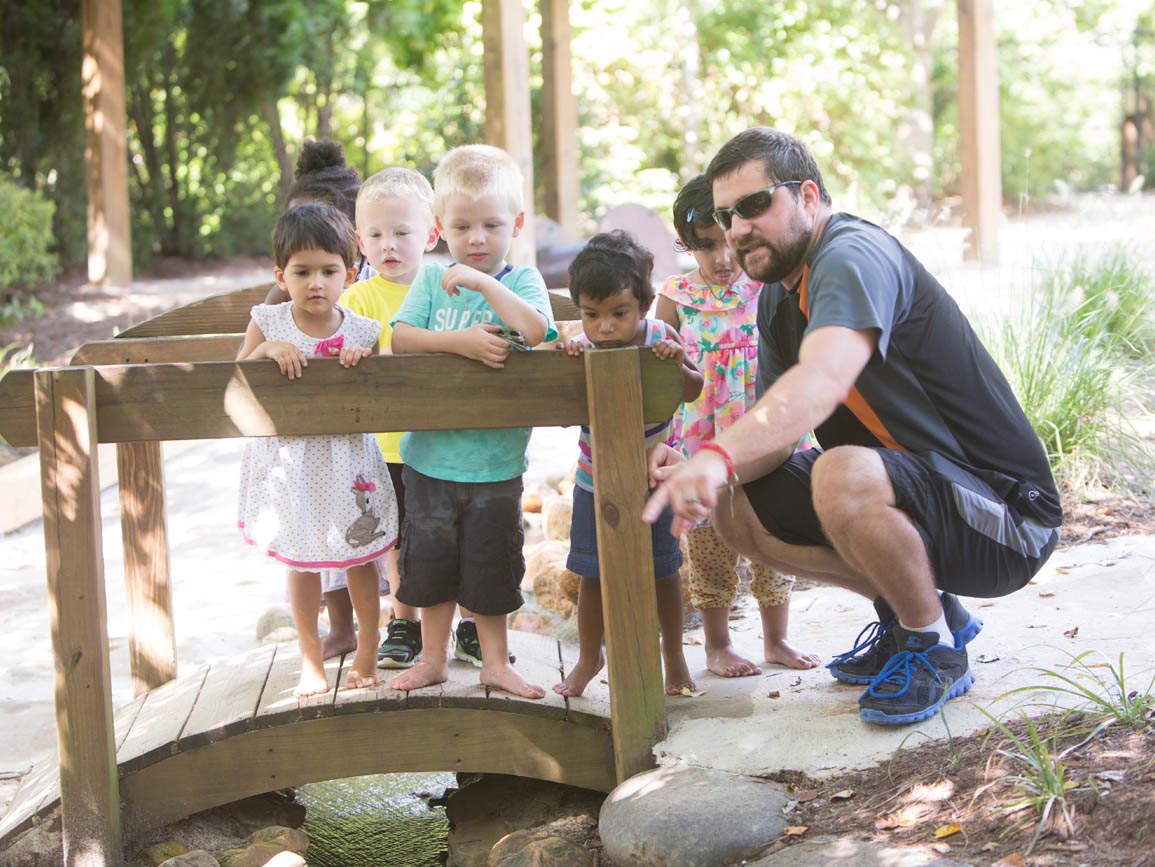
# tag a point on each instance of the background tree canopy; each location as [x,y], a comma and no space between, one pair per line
[222,92]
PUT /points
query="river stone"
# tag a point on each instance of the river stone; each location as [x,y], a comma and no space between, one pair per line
[162,852]
[195,858]
[261,847]
[691,817]
[824,850]
[556,514]
[555,588]
[274,618]
[530,849]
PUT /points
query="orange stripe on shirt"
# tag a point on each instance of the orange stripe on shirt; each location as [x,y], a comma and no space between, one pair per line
[855,402]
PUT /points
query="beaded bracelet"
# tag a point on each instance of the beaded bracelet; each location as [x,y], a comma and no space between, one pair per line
[720,450]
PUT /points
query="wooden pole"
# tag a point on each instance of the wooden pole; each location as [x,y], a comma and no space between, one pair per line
[561,187]
[978,111]
[625,555]
[507,112]
[144,532]
[89,788]
[106,145]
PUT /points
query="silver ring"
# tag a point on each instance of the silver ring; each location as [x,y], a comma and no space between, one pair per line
[692,501]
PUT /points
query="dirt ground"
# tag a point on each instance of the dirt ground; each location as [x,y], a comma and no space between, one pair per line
[959,797]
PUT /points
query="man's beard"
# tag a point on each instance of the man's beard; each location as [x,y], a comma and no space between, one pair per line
[783,259]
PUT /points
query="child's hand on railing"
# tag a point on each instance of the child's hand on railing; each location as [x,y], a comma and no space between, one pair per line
[484,343]
[573,347]
[350,355]
[669,349]
[289,359]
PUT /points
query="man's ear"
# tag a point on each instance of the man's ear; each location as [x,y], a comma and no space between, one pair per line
[518,223]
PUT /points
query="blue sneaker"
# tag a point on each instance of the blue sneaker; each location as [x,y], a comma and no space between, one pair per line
[875,644]
[918,680]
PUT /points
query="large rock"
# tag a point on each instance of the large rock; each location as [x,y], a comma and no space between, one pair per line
[264,810]
[165,851]
[556,515]
[690,817]
[554,587]
[530,849]
[489,807]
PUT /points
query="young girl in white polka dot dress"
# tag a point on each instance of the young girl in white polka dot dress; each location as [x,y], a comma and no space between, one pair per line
[318,502]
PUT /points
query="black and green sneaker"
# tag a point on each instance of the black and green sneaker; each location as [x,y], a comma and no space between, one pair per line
[402,645]
[467,646]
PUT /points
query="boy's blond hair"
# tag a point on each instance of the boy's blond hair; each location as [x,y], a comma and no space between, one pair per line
[398,183]
[477,170]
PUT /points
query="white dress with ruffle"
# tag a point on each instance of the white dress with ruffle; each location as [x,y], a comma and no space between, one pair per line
[317,502]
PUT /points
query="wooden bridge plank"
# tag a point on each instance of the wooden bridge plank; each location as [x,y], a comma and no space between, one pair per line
[228,700]
[345,745]
[159,723]
[277,704]
[321,705]
[39,789]
[158,350]
[383,393]
[228,313]
[225,313]
[375,698]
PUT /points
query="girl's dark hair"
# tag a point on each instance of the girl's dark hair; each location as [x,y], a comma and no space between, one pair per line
[322,175]
[314,226]
[609,263]
[783,157]
[693,213]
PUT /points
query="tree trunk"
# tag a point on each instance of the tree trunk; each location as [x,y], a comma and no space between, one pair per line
[272,116]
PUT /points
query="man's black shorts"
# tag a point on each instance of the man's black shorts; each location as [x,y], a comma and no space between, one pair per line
[976,543]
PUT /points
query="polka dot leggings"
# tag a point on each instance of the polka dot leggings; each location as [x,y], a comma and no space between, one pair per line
[713,581]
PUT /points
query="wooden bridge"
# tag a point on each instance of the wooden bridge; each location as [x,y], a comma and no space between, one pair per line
[233,729]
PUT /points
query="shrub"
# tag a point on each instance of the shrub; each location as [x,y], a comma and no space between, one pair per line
[1069,357]
[25,237]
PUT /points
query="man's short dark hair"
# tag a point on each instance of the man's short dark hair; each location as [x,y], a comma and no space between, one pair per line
[783,157]
[694,213]
[314,227]
[609,263]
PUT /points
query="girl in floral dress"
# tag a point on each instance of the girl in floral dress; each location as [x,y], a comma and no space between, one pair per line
[713,308]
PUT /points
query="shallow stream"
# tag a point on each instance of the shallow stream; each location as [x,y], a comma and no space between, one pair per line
[382,820]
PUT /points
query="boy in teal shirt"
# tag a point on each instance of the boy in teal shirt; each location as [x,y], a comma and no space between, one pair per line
[463,538]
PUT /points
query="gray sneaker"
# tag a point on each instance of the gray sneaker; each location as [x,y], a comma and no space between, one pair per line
[876,644]
[467,646]
[402,645]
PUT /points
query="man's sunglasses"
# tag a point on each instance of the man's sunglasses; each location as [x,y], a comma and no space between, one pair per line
[750,206]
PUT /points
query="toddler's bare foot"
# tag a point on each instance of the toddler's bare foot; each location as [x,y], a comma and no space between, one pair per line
[506,678]
[678,676]
[356,680]
[782,652]
[579,677]
[313,682]
[422,674]
[724,662]
[336,643]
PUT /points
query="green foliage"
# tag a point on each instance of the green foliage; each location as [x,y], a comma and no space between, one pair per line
[1110,696]
[1116,296]
[16,356]
[1066,357]
[26,256]
[1040,783]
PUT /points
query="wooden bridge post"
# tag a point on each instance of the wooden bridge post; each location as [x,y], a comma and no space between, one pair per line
[144,532]
[625,555]
[89,787]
